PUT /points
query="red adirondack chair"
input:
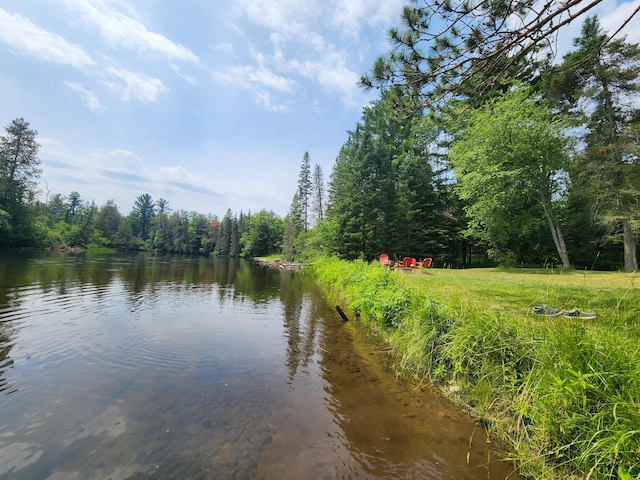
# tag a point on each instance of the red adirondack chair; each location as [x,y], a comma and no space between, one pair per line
[384,259]
[409,262]
[426,263]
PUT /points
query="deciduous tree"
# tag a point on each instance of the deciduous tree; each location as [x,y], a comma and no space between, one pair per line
[510,156]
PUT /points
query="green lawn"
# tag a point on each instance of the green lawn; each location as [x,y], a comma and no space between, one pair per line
[615,297]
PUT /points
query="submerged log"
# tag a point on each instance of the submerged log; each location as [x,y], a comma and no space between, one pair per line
[342,314]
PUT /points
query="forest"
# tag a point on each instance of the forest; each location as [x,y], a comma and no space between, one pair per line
[472,154]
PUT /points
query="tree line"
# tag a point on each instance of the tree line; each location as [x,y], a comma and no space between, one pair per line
[68,221]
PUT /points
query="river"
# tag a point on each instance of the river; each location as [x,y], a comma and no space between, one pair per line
[143,366]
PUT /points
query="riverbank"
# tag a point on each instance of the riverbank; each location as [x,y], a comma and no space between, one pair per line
[280,264]
[560,395]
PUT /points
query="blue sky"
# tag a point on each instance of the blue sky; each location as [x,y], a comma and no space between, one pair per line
[208,104]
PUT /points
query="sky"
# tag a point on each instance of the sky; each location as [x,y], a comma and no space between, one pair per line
[210,105]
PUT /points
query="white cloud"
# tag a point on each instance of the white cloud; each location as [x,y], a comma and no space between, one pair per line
[612,20]
[351,15]
[250,77]
[136,85]
[298,48]
[187,78]
[279,15]
[611,16]
[119,29]
[266,100]
[224,47]
[89,98]
[37,42]
[332,73]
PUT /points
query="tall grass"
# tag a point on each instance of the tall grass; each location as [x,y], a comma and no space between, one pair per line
[561,395]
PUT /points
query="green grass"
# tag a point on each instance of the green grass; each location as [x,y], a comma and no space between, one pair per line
[561,395]
[272,257]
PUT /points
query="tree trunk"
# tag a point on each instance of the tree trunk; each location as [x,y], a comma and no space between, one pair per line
[630,247]
[556,233]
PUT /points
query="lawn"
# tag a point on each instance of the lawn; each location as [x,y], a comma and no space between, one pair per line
[613,296]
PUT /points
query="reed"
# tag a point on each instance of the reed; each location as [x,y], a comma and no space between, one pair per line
[561,395]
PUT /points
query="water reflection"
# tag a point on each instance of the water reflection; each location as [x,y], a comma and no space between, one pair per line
[168,367]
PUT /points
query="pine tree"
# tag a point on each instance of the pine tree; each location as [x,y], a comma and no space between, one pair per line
[318,197]
[598,83]
[19,169]
[294,226]
[304,188]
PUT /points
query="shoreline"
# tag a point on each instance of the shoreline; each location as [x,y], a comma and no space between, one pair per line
[281,264]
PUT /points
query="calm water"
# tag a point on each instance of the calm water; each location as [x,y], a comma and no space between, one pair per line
[163,367]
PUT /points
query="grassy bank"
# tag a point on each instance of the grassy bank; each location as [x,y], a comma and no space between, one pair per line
[561,394]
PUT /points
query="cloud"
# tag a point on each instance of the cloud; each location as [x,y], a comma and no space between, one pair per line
[31,40]
[249,77]
[88,97]
[332,73]
[223,47]
[280,15]
[261,81]
[136,85]
[119,29]
[187,78]
[350,15]
[298,34]
[612,20]
[267,101]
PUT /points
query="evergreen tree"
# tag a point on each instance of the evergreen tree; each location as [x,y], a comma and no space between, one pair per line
[234,249]
[162,206]
[305,189]
[74,203]
[294,226]
[57,208]
[228,243]
[318,195]
[19,169]
[598,83]
[142,214]
[362,195]
[444,49]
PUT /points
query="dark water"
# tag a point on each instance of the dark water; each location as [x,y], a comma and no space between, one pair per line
[164,367]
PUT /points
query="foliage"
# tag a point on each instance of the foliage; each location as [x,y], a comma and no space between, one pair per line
[142,216]
[294,227]
[598,84]
[560,394]
[264,236]
[362,194]
[297,224]
[318,194]
[446,49]
[305,189]
[509,161]
[19,169]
